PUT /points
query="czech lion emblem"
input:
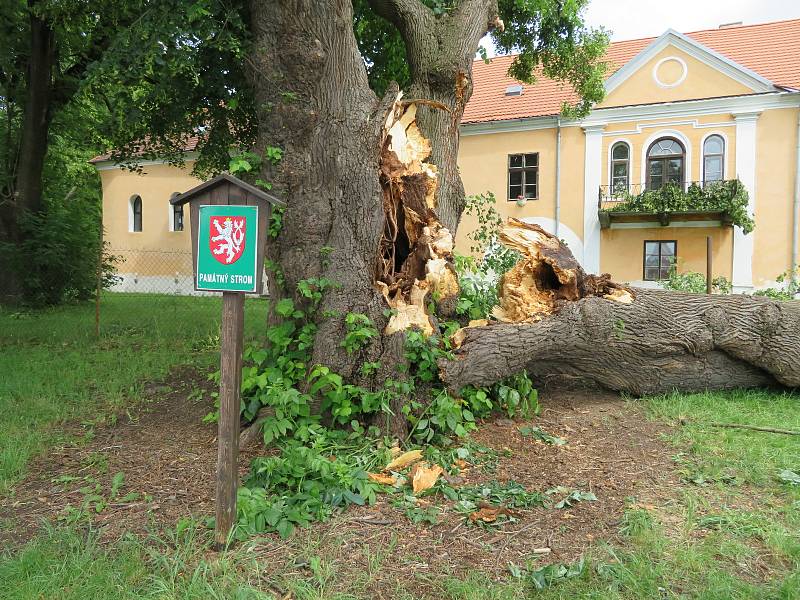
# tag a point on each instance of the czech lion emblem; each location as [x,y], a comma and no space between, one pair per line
[227,246]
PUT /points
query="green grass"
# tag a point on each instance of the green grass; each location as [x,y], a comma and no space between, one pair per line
[731,530]
[67,565]
[55,370]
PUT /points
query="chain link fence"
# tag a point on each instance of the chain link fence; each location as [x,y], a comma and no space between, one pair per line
[145,271]
[152,291]
[153,272]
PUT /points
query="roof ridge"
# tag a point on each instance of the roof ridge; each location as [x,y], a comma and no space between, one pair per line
[655,37]
[742,26]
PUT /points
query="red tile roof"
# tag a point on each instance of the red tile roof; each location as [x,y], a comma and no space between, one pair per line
[191,146]
[770,49]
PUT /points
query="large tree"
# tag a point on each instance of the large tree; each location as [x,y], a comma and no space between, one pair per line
[371,181]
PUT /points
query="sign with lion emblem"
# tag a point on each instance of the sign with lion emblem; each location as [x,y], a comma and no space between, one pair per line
[226,248]
[227,238]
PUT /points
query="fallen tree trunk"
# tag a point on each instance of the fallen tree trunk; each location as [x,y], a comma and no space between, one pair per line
[558,323]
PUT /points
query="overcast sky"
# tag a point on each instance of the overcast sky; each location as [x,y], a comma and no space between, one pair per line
[630,19]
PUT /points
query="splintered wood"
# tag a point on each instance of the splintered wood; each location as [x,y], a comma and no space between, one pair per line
[415,257]
[547,276]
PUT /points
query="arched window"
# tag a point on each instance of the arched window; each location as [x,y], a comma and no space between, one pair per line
[666,160]
[136,213]
[713,158]
[177,214]
[620,167]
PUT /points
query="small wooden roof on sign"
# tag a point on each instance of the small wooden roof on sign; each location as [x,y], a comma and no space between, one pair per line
[221,179]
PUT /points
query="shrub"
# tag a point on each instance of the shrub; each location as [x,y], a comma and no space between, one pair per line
[694,282]
[479,277]
[58,256]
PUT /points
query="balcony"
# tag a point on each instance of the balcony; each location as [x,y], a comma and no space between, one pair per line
[718,203]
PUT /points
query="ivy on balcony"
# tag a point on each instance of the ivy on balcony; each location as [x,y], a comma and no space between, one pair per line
[727,197]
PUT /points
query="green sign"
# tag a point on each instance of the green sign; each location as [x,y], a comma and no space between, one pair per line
[227,248]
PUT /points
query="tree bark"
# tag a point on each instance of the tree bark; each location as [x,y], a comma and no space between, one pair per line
[440,51]
[577,328]
[28,164]
[357,176]
[315,103]
[36,116]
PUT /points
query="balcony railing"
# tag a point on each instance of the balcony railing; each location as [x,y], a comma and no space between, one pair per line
[723,201]
[687,195]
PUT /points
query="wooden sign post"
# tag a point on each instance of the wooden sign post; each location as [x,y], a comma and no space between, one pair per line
[229,220]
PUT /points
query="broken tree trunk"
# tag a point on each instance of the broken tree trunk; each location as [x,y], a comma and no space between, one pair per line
[559,324]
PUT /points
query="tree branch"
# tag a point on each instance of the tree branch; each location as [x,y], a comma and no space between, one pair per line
[403,14]
[469,9]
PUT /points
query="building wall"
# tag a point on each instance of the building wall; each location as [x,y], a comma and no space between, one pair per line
[691,131]
[776,160]
[699,81]
[156,259]
[483,162]
[155,185]
[622,250]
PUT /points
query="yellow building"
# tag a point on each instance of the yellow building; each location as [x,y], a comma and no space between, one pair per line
[702,108]
[705,107]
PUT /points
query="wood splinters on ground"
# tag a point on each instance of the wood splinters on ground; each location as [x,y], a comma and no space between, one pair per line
[405,459]
[425,476]
[415,254]
[382,478]
[489,514]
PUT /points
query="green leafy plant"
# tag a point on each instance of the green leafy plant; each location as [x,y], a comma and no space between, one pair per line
[273,154]
[244,162]
[693,282]
[360,331]
[789,477]
[479,277]
[417,512]
[572,497]
[510,494]
[729,197]
[790,287]
[548,575]
[539,434]
[305,483]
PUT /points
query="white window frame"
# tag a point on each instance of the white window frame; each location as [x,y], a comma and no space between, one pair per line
[171,215]
[725,153]
[613,143]
[131,200]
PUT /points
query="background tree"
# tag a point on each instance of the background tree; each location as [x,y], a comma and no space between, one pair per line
[77,77]
[46,51]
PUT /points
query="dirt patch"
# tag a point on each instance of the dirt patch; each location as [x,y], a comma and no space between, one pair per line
[612,451]
[165,452]
[168,456]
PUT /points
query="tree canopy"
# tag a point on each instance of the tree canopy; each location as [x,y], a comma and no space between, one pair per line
[179,73]
[141,78]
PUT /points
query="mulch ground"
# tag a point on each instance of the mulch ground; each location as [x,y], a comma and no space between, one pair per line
[168,456]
